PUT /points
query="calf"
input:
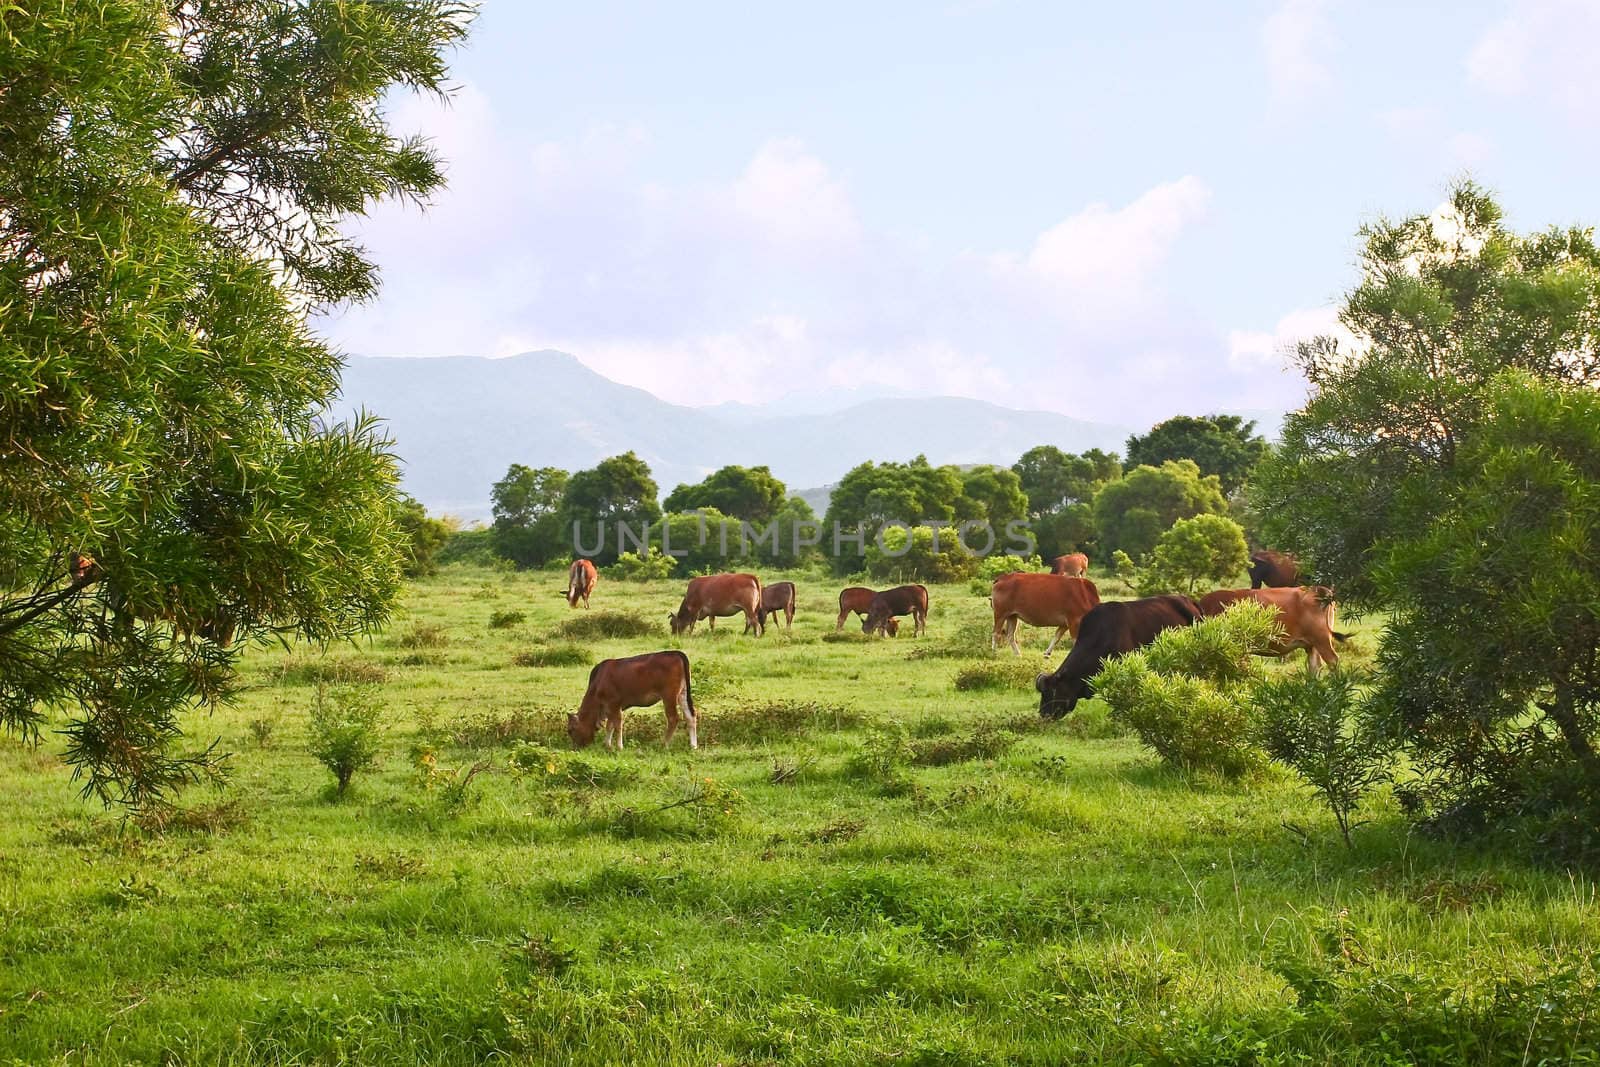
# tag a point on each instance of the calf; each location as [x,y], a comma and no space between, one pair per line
[1075,565]
[901,600]
[1305,615]
[1039,600]
[777,599]
[1110,629]
[635,682]
[719,595]
[581,577]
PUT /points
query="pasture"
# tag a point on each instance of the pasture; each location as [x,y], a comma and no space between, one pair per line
[878,855]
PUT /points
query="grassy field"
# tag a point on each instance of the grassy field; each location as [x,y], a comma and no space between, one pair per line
[864,863]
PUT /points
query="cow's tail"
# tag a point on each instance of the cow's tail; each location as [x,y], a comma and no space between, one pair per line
[688,691]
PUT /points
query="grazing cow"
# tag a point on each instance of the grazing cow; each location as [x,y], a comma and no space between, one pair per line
[635,682]
[1039,600]
[1306,616]
[1275,570]
[857,598]
[777,599]
[719,595]
[901,600]
[1075,565]
[580,582]
[1111,629]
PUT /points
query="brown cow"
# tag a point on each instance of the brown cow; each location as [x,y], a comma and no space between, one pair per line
[719,595]
[1276,570]
[580,582]
[777,599]
[857,598]
[1075,565]
[1039,600]
[635,682]
[901,600]
[1305,614]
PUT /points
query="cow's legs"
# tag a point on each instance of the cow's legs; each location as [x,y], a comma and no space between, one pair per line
[921,620]
[788,618]
[689,715]
[613,727]
[671,707]
[839,625]
[619,729]
[1060,632]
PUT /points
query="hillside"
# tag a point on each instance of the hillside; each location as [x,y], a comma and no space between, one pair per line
[459,422]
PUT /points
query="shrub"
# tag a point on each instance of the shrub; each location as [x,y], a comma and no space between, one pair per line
[918,561]
[1123,566]
[986,742]
[1208,548]
[1011,672]
[992,567]
[596,625]
[1188,695]
[325,670]
[425,635]
[504,620]
[883,757]
[344,731]
[554,656]
[261,730]
[553,767]
[1306,723]
[488,730]
[776,720]
[632,567]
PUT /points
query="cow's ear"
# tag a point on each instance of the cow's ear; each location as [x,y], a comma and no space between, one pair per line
[1038,683]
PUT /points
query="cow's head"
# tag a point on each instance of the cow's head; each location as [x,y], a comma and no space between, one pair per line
[678,621]
[876,622]
[1058,696]
[580,733]
[81,565]
[891,626]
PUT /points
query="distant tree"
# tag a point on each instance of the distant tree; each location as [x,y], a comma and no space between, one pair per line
[1446,471]
[427,534]
[1205,548]
[619,489]
[1053,479]
[1133,512]
[997,495]
[527,506]
[748,493]
[874,493]
[174,183]
[1224,445]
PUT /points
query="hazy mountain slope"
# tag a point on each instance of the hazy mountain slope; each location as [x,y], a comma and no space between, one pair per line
[459,422]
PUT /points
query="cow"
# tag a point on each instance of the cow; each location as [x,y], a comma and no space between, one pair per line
[635,682]
[580,582]
[901,600]
[1275,570]
[857,598]
[1075,565]
[1305,615]
[777,599]
[719,595]
[1039,600]
[1111,629]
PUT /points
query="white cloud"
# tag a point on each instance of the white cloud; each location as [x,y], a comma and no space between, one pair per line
[1112,251]
[1295,38]
[1543,49]
[1257,350]
[790,196]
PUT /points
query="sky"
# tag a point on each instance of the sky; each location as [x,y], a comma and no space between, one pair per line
[1119,212]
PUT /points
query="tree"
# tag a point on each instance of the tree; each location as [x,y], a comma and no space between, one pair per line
[1053,479]
[172,179]
[996,494]
[748,493]
[617,490]
[1445,470]
[1133,512]
[1224,445]
[527,507]
[1205,548]
[426,535]
[874,493]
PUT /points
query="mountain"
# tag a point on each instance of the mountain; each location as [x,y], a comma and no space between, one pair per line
[458,422]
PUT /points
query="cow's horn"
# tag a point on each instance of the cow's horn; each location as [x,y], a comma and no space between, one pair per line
[1038,682]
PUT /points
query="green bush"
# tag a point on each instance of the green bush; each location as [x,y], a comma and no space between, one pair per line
[344,731]
[1307,723]
[1205,548]
[650,567]
[1189,694]
[504,620]
[992,567]
[554,656]
[918,562]
[1011,672]
[595,625]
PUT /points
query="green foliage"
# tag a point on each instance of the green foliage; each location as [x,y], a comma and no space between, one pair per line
[619,489]
[1007,672]
[1206,548]
[1123,566]
[1309,723]
[593,625]
[918,560]
[528,528]
[345,736]
[748,493]
[1052,479]
[1133,512]
[632,567]
[554,656]
[1445,471]
[428,536]
[175,179]
[1189,693]
[1224,445]
[505,620]
[996,494]
[992,567]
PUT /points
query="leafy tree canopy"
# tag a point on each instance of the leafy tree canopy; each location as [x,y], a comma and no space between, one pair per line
[619,489]
[1133,512]
[1204,549]
[996,494]
[1224,445]
[172,179]
[1053,479]
[527,515]
[874,493]
[749,493]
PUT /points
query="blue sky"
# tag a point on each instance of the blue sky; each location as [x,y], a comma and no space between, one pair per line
[1119,212]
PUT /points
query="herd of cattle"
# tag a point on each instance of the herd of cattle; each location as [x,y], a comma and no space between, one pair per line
[1062,598]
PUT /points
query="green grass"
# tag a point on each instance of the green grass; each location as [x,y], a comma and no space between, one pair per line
[991,890]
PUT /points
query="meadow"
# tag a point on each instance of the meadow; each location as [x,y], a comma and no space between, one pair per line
[878,855]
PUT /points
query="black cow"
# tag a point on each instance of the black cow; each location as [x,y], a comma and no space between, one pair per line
[1275,570]
[901,600]
[1109,629]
